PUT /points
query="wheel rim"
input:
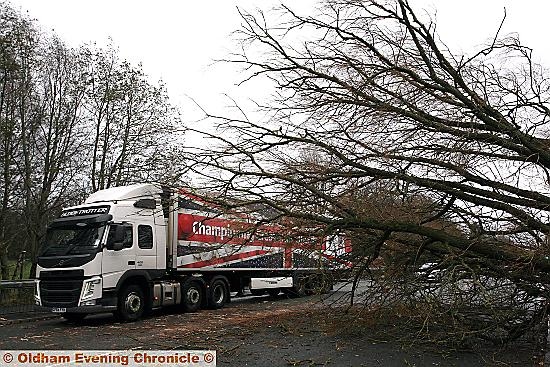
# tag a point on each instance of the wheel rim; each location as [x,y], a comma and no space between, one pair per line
[133,302]
[193,295]
[218,294]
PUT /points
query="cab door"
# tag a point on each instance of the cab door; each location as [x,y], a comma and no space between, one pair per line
[146,253]
[116,262]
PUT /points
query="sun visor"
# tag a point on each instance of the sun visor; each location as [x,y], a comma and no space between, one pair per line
[88,219]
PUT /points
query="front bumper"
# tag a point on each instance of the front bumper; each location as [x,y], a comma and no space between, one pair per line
[73,296]
[80,309]
[65,292]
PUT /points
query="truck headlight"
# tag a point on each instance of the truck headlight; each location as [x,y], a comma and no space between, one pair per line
[37,292]
[89,287]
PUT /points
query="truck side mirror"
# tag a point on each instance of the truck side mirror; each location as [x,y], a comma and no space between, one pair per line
[117,246]
[116,241]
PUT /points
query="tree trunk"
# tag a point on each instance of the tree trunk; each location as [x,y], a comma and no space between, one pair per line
[4,261]
[32,273]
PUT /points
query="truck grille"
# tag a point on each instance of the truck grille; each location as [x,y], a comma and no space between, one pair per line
[60,293]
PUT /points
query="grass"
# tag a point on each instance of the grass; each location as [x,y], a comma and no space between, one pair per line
[16,296]
[11,267]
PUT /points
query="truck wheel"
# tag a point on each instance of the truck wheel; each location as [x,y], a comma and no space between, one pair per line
[74,317]
[131,303]
[218,294]
[192,296]
[326,284]
[298,290]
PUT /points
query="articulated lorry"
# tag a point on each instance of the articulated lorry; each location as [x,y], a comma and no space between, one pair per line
[131,249]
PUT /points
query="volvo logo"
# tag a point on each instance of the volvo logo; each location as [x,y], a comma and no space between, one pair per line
[61,262]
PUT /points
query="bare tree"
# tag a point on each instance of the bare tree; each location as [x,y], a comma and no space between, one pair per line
[135,126]
[54,138]
[458,144]
[17,39]
[62,111]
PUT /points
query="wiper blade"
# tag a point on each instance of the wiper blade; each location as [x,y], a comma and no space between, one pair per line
[70,248]
[52,250]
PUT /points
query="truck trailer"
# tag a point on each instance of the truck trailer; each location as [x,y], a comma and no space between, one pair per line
[131,249]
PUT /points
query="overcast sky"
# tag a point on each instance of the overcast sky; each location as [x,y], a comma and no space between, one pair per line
[178,40]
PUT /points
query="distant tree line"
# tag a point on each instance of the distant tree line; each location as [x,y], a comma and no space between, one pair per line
[72,121]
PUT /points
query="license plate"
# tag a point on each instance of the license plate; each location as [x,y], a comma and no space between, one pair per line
[59,310]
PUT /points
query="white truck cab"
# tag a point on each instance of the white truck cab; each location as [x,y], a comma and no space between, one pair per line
[117,234]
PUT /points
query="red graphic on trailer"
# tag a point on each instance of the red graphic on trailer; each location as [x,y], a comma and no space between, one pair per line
[205,233]
[221,260]
[218,230]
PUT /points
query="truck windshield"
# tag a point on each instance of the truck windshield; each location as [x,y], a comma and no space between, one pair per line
[79,238]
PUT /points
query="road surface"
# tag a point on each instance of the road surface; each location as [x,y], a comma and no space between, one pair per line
[251,331]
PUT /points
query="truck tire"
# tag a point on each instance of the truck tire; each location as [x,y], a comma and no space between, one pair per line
[131,303]
[218,293]
[192,292]
[74,317]
[299,289]
[325,284]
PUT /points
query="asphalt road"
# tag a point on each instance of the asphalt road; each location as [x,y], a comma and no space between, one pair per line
[252,331]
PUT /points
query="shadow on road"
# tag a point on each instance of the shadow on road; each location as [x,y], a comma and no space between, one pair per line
[108,318]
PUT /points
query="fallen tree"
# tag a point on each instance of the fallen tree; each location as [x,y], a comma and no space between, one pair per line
[424,157]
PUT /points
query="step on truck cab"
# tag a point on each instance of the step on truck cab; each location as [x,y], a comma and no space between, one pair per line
[130,249]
